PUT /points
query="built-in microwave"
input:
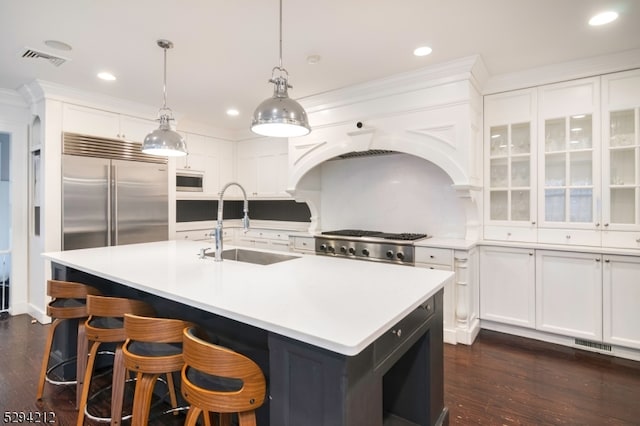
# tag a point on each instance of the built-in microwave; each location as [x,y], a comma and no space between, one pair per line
[189,181]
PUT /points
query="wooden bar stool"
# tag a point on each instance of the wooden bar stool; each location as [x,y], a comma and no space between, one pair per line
[153,347]
[105,324]
[218,380]
[68,303]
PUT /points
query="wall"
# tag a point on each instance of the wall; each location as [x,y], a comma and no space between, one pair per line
[390,193]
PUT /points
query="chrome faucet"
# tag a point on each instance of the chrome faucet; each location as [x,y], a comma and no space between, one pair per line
[218,230]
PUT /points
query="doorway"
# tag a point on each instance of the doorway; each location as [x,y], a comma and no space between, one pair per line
[5,223]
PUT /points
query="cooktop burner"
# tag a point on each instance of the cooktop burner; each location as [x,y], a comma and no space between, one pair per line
[358,233]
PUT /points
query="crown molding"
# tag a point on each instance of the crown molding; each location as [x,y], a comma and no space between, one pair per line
[588,67]
[467,68]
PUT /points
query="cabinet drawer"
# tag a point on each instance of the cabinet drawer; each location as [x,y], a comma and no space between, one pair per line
[195,235]
[402,331]
[434,266]
[570,237]
[303,243]
[435,256]
[510,233]
[621,239]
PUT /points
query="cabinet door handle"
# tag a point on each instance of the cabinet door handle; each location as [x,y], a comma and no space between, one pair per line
[597,224]
[533,223]
[606,261]
[597,259]
[530,254]
[606,224]
[568,237]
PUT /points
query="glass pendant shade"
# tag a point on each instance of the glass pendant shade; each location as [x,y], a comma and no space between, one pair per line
[280,116]
[164,141]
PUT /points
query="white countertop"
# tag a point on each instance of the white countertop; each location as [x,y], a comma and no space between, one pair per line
[342,305]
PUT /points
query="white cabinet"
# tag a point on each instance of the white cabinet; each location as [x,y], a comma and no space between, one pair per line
[263,238]
[434,258]
[97,122]
[262,167]
[507,286]
[302,244]
[569,158]
[621,159]
[204,235]
[621,301]
[510,166]
[569,293]
[210,156]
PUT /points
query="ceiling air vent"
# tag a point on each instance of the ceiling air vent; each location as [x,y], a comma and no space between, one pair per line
[35,54]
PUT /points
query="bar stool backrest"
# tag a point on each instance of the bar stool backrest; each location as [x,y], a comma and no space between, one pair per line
[218,361]
[102,307]
[154,330]
[57,290]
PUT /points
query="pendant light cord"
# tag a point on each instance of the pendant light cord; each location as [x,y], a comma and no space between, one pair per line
[280,35]
[164,86]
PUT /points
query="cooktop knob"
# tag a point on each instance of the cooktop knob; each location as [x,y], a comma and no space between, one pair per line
[331,249]
[389,254]
[400,255]
[352,250]
[365,252]
[323,247]
[343,249]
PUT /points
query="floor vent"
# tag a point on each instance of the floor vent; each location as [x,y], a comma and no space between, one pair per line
[593,345]
[36,54]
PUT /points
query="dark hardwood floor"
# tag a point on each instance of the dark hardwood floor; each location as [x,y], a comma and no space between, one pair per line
[499,380]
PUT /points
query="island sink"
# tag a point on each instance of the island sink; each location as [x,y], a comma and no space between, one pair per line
[253,256]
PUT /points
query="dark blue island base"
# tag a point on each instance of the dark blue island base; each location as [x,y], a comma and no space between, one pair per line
[395,381]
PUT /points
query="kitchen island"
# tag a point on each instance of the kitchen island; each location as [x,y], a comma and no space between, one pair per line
[341,342]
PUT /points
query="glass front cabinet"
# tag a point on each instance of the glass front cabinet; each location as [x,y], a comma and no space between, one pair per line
[621,159]
[562,163]
[510,166]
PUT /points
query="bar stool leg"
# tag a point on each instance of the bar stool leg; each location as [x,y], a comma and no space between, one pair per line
[117,389]
[172,393]
[145,384]
[81,360]
[87,382]
[45,358]
[247,418]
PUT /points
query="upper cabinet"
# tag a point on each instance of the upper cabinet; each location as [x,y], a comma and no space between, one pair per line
[562,163]
[263,166]
[569,162]
[211,157]
[621,159]
[510,166]
[97,122]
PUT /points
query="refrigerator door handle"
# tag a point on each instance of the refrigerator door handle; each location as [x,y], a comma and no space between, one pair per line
[109,207]
[114,201]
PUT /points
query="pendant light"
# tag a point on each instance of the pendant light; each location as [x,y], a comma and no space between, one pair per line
[280,116]
[163,141]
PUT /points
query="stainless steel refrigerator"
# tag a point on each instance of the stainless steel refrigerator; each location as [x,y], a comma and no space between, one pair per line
[111,201]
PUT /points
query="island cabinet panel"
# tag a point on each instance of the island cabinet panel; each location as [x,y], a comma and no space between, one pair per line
[395,380]
[387,383]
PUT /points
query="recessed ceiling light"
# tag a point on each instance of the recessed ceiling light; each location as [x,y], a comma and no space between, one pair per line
[603,18]
[59,45]
[313,59]
[232,112]
[422,51]
[107,76]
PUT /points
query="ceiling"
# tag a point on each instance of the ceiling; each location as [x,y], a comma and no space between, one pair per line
[225,50]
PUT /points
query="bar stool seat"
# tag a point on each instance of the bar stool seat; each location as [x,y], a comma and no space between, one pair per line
[153,347]
[68,303]
[218,380]
[105,324]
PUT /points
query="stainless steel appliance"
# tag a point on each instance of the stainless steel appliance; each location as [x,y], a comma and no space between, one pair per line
[369,245]
[112,193]
[189,181]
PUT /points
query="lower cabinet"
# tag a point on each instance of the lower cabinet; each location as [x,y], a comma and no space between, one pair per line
[508,292]
[621,300]
[264,239]
[569,293]
[588,296]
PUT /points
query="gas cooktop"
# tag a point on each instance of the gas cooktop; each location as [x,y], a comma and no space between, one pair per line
[369,245]
[359,233]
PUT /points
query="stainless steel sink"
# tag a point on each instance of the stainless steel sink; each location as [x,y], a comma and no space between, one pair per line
[253,256]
